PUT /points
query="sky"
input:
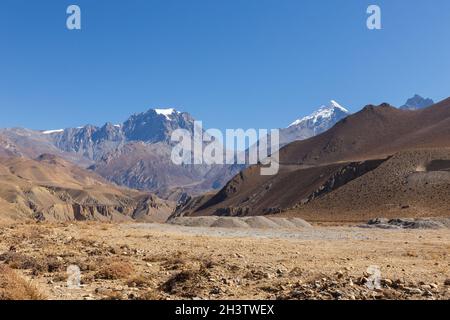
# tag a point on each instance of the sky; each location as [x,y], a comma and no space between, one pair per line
[230,63]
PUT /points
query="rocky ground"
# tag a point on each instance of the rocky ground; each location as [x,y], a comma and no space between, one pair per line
[152,261]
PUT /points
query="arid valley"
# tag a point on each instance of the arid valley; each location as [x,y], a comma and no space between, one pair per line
[156,261]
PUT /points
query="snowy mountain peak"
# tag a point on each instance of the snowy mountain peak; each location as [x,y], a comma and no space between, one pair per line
[166,112]
[325,112]
[336,105]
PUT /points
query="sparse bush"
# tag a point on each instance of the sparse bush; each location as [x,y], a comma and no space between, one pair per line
[20,261]
[114,270]
[60,277]
[17,260]
[178,279]
[186,283]
[14,287]
[174,263]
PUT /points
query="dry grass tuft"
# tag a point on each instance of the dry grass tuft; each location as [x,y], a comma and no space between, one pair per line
[186,283]
[114,270]
[20,261]
[14,287]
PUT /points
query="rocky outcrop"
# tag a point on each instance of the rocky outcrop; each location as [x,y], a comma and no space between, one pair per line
[343,176]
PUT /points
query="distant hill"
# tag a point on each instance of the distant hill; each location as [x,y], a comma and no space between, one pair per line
[52,189]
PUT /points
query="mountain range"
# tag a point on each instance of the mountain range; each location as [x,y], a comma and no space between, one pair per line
[320,155]
[378,161]
[136,153]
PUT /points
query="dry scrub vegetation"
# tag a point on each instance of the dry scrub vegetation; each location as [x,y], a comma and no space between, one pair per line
[118,261]
[114,270]
[15,287]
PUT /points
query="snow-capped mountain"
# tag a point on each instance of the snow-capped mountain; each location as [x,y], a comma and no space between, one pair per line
[135,153]
[319,121]
[156,125]
[303,128]
[417,102]
[92,142]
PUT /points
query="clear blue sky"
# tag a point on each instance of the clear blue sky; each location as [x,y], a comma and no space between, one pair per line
[230,63]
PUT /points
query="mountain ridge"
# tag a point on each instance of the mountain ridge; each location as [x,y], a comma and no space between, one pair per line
[397,142]
[136,153]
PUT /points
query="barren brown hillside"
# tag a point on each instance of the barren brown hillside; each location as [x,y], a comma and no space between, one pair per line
[49,188]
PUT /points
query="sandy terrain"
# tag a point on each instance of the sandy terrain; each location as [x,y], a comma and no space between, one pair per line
[154,261]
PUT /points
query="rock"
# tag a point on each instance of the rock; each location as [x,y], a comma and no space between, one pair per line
[363,280]
[433,285]
[427,294]
[336,294]
[413,290]
[267,275]
[447,282]
[398,284]
[215,290]
[280,272]
[387,282]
